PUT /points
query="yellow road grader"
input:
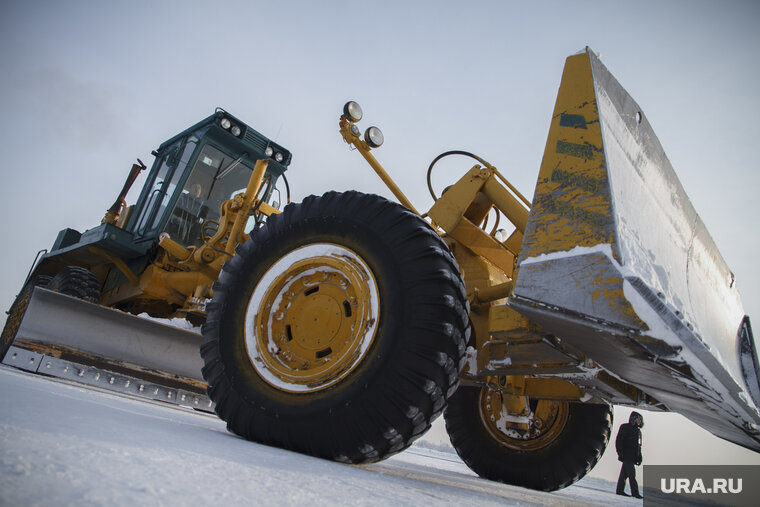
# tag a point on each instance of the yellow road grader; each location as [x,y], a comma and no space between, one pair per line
[344,325]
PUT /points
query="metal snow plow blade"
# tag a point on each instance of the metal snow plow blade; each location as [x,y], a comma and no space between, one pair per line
[616,262]
[66,337]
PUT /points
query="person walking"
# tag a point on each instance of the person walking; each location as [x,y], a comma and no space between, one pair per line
[628,447]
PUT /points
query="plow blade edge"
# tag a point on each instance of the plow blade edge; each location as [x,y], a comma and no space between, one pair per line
[66,337]
[617,263]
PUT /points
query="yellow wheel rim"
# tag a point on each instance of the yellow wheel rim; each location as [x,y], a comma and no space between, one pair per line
[538,426]
[312,318]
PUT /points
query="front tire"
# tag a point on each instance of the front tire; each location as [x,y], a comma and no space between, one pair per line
[337,330]
[561,443]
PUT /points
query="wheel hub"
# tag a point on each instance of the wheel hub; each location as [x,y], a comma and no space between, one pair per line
[311,318]
[538,424]
[314,320]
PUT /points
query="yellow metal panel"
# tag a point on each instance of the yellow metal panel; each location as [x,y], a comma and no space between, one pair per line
[572,205]
[478,275]
[505,323]
[448,210]
[514,241]
[551,389]
[267,209]
[480,242]
[513,209]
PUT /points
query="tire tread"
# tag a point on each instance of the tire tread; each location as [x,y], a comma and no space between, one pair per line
[387,418]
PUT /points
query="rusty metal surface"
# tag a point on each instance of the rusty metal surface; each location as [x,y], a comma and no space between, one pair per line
[617,262]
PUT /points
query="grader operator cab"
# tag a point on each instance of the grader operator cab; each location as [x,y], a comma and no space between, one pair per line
[346,324]
[158,257]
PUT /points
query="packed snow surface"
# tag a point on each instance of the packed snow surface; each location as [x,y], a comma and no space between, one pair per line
[62,444]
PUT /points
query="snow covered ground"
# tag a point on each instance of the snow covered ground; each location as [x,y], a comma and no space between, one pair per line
[63,444]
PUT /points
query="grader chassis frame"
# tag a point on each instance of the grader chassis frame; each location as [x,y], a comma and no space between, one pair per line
[344,326]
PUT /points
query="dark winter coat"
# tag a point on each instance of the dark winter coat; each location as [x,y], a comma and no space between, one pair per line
[628,443]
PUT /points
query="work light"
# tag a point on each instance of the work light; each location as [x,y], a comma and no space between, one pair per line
[352,111]
[374,137]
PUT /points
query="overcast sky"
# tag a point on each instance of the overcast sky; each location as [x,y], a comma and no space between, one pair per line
[87,87]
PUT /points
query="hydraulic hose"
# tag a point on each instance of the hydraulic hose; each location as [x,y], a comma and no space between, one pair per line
[446,154]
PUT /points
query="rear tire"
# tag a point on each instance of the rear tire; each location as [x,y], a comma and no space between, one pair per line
[554,459]
[16,313]
[77,282]
[337,330]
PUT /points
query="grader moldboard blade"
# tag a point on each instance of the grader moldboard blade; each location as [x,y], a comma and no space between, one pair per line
[616,262]
[66,337]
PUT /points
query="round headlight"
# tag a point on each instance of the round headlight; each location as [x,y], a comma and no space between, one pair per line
[352,111]
[355,130]
[235,130]
[278,156]
[225,123]
[268,151]
[374,137]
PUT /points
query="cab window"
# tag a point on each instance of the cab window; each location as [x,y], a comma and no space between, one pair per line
[215,178]
[165,182]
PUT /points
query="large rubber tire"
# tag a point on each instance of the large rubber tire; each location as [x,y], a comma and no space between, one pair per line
[551,465]
[390,392]
[17,310]
[77,282]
